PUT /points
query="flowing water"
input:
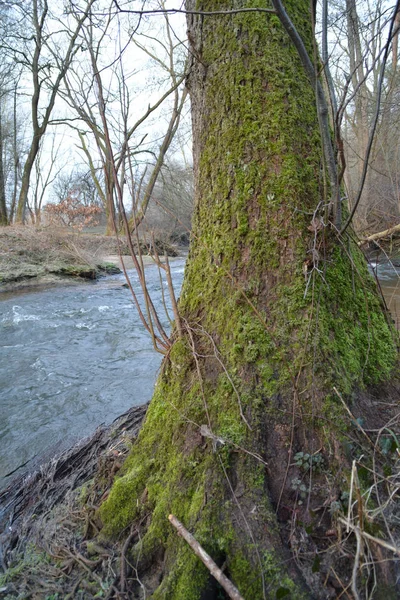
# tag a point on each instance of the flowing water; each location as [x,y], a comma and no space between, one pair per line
[75,357]
[388,275]
[72,358]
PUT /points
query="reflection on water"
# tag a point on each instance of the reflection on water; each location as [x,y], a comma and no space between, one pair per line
[71,358]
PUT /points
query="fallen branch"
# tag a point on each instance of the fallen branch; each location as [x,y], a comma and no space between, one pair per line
[215,571]
[380,235]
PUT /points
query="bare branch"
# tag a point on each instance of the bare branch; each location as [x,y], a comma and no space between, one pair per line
[376,117]
[206,559]
[204,13]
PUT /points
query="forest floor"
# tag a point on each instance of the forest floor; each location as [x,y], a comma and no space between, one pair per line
[51,542]
[45,255]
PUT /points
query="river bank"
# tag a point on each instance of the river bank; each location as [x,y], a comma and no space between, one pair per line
[34,256]
[48,520]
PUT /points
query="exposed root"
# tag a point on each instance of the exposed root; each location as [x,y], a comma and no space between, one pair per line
[48,520]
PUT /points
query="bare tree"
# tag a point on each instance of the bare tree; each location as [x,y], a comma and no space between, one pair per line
[106,103]
[365,82]
[45,172]
[9,75]
[3,206]
[38,51]
[170,209]
[78,181]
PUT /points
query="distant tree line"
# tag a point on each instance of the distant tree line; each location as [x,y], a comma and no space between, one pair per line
[63,77]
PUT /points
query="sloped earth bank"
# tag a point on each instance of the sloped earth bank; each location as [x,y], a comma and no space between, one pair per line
[51,543]
[35,256]
[31,256]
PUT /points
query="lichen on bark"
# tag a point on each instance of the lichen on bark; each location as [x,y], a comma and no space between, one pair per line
[276,312]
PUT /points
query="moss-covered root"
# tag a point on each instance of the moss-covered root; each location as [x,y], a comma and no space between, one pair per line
[217,493]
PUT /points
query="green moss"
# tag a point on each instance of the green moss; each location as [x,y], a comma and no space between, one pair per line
[109,268]
[259,184]
[156,474]
[186,581]
[30,560]
[357,341]
[83,492]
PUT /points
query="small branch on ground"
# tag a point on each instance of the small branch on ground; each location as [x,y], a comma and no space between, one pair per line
[215,571]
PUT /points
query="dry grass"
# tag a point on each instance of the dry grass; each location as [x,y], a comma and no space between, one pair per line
[27,252]
[31,252]
[51,550]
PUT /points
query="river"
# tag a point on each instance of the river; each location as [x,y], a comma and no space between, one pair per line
[77,356]
[72,358]
[388,274]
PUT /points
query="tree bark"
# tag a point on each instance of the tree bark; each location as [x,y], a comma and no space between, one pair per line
[275,312]
[362,98]
[3,206]
[15,156]
[26,178]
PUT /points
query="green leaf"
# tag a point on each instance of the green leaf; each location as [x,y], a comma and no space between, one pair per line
[316,564]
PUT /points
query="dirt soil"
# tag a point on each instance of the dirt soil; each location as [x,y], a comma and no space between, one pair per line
[44,255]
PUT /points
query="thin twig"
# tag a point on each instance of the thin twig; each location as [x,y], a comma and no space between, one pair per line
[356,565]
[217,356]
[195,356]
[172,296]
[353,417]
[353,472]
[375,120]
[368,536]
[247,525]
[215,571]
[203,13]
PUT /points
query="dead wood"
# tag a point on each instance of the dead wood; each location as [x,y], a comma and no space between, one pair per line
[380,235]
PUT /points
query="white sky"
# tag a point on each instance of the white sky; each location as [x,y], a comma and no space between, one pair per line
[144,78]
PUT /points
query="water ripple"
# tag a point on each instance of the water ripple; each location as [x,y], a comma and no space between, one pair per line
[72,358]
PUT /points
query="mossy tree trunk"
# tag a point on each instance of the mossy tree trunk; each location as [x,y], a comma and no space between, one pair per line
[276,312]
